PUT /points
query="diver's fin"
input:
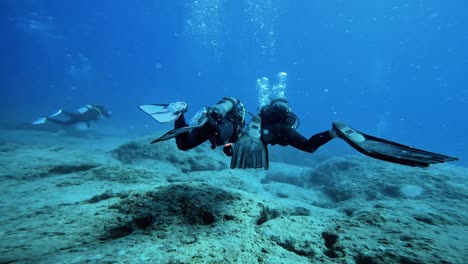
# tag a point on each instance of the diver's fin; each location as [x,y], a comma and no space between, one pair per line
[56,113]
[41,120]
[164,113]
[197,121]
[250,151]
[172,134]
[200,118]
[387,150]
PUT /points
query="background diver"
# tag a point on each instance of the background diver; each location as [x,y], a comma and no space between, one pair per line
[85,114]
[219,124]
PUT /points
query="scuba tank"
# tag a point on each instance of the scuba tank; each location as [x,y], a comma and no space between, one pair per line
[219,110]
[226,112]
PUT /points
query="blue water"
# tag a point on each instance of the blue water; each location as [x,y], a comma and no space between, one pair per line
[395,69]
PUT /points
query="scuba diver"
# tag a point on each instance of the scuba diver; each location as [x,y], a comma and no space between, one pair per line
[85,114]
[277,124]
[220,124]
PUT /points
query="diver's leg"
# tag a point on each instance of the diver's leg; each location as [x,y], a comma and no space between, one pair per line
[73,118]
[70,114]
[319,139]
[69,122]
[56,121]
[309,145]
[192,138]
[180,122]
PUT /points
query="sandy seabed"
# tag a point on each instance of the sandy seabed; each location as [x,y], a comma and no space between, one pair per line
[68,199]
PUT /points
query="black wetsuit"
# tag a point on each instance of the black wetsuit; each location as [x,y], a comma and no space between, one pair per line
[86,114]
[278,125]
[218,132]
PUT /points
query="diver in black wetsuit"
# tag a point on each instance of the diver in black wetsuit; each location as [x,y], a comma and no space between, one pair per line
[221,123]
[224,124]
[85,114]
[275,124]
[279,126]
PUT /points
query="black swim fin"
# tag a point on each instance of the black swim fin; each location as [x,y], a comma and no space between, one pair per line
[387,150]
[250,151]
[198,120]
[172,134]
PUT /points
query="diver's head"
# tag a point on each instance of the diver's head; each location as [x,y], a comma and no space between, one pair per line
[277,107]
[280,104]
[278,111]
